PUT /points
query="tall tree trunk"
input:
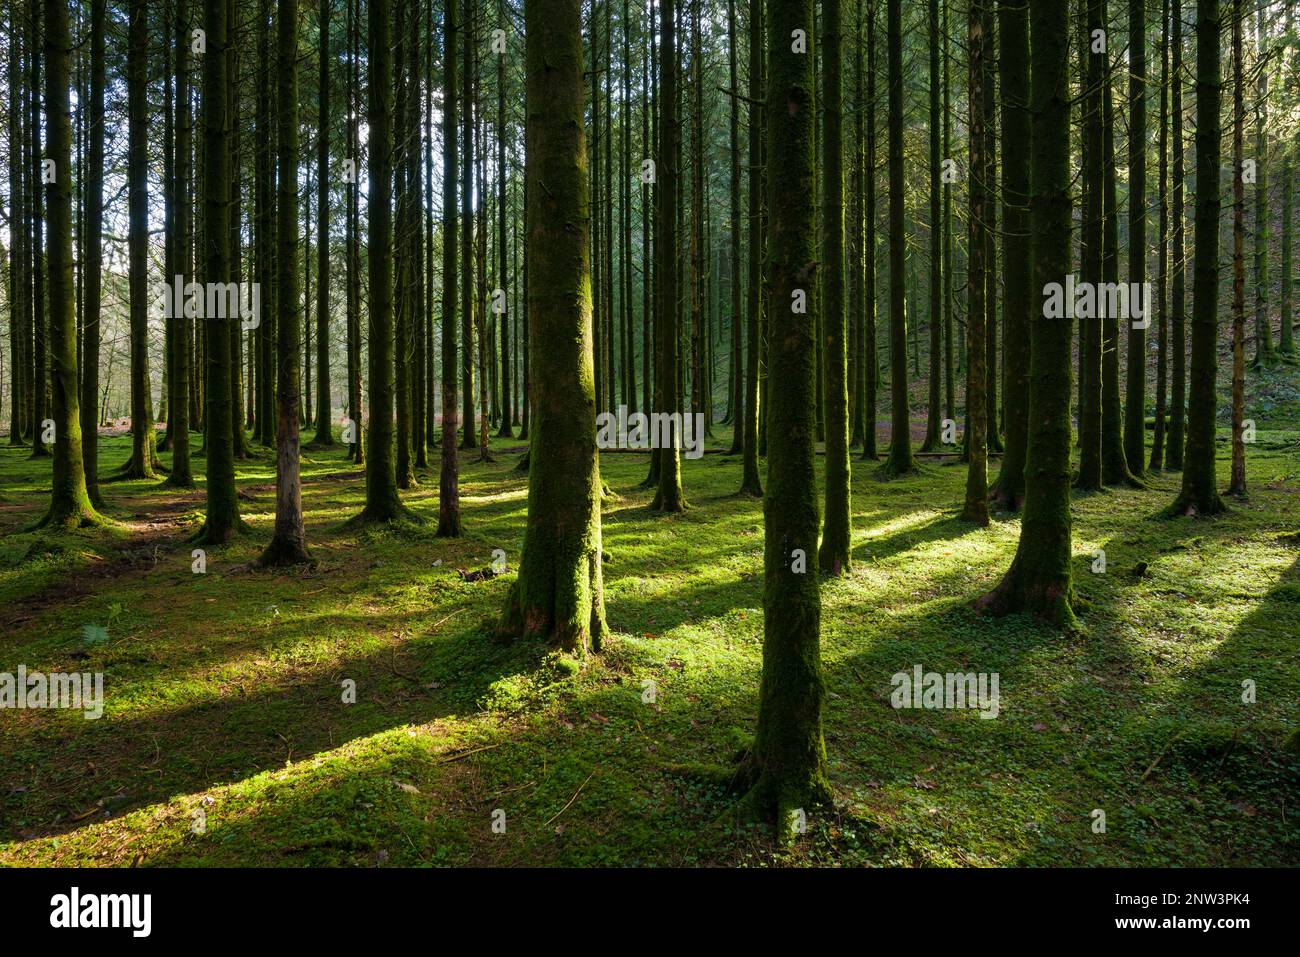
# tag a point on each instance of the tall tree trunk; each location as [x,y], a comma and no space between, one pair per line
[1135,403]
[1162,282]
[382,501]
[736,392]
[1114,465]
[288,545]
[18,410]
[355,412]
[182,475]
[403,267]
[992,433]
[669,497]
[1199,494]
[449,477]
[949,383]
[91,331]
[833,555]
[1263,327]
[559,594]
[1178,285]
[506,429]
[1237,482]
[70,505]
[934,383]
[1286,337]
[324,430]
[223,519]
[39,317]
[750,482]
[469,438]
[1091,247]
[871,374]
[1017,268]
[786,767]
[1038,580]
[900,459]
[976,507]
[140,464]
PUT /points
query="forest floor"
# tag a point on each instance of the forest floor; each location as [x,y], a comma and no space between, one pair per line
[224,690]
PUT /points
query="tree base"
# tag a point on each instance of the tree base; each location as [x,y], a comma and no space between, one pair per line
[374,515]
[567,611]
[283,553]
[890,469]
[668,504]
[206,536]
[1020,592]
[1005,497]
[69,515]
[1193,506]
[782,800]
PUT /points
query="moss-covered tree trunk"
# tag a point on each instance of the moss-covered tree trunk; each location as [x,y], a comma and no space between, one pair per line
[382,501]
[469,437]
[1038,580]
[1160,307]
[324,430]
[900,461]
[1091,247]
[38,316]
[353,239]
[559,594]
[833,555]
[403,264]
[949,379]
[1237,481]
[871,372]
[1286,337]
[17,251]
[1199,494]
[92,334]
[182,475]
[1178,253]
[992,433]
[1264,353]
[976,507]
[70,505]
[506,390]
[449,472]
[934,380]
[140,464]
[736,370]
[1013,24]
[1114,464]
[751,483]
[223,519]
[263,217]
[1135,391]
[668,497]
[288,545]
[786,766]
